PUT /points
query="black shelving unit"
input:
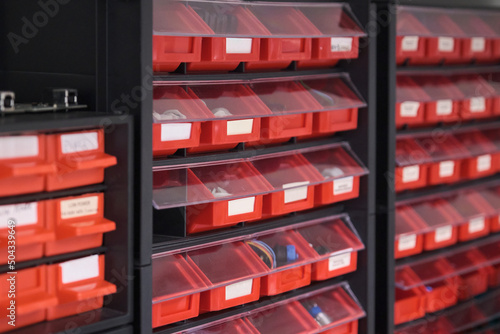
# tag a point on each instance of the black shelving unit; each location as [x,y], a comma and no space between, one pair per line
[387,70]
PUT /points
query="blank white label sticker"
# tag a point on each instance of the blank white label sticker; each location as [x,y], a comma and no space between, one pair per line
[241,206]
[476,225]
[80,269]
[343,185]
[240,289]
[409,109]
[444,107]
[238,45]
[79,207]
[239,127]
[484,163]
[18,147]
[406,242]
[341,44]
[339,261]
[477,104]
[411,174]
[446,44]
[23,214]
[477,44]
[443,233]
[175,131]
[410,43]
[298,193]
[446,168]
[79,142]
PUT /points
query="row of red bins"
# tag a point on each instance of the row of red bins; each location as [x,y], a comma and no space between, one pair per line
[433,285]
[53,227]
[336,305]
[451,157]
[218,37]
[432,36]
[219,277]
[237,192]
[460,319]
[201,117]
[426,100]
[49,292]
[428,224]
[37,162]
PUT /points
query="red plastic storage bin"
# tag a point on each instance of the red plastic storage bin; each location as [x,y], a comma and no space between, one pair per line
[491,252]
[293,174]
[410,40]
[240,180]
[229,99]
[492,197]
[78,223]
[494,136]
[171,103]
[176,290]
[23,164]
[30,297]
[279,52]
[79,157]
[331,21]
[233,25]
[475,211]
[177,31]
[493,81]
[447,152]
[409,239]
[79,286]
[410,102]
[288,318]
[339,166]
[481,151]
[479,96]
[284,97]
[223,265]
[411,165]
[283,249]
[440,216]
[409,305]
[335,240]
[28,233]
[471,283]
[445,98]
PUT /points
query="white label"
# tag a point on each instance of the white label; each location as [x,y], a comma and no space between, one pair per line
[23,214]
[410,43]
[444,107]
[484,163]
[341,44]
[446,168]
[406,242]
[175,131]
[80,269]
[79,142]
[476,225]
[239,289]
[409,109]
[238,45]
[241,206]
[297,193]
[343,186]
[339,261]
[239,127]
[79,207]
[477,104]
[477,44]
[443,233]
[18,147]
[446,44]
[411,174]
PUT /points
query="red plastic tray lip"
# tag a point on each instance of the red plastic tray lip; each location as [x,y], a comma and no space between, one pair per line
[359,102]
[314,178]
